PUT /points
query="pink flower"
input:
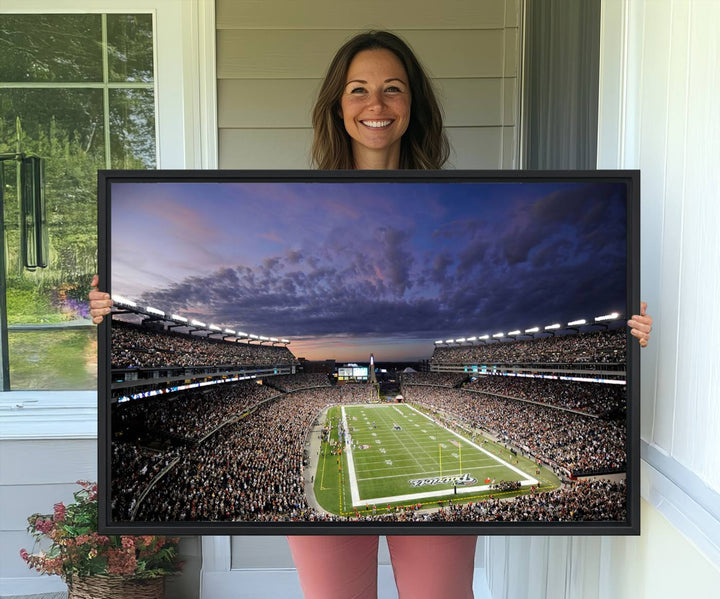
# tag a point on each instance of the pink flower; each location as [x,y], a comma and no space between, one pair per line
[59,509]
[121,562]
[53,565]
[44,526]
[145,540]
[128,543]
[24,555]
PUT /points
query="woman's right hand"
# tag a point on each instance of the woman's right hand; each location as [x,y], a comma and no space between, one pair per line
[100,302]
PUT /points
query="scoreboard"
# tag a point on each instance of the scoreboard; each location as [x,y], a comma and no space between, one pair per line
[352,373]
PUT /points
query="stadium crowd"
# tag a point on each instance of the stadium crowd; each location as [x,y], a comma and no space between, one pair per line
[260,455]
[577,502]
[591,398]
[251,470]
[190,415]
[138,347]
[581,501]
[294,382]
[573,443]
[601,347]
[439,379]
[133,469]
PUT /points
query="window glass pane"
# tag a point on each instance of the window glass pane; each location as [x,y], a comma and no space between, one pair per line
[132,128]
[52,342]
[54,359]
[65,128]
[50,118]
[37,48]
[130,47]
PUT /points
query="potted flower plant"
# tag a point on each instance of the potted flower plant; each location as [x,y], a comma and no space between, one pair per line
[67,544]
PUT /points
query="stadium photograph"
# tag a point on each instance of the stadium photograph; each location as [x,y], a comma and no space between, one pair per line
[357,353]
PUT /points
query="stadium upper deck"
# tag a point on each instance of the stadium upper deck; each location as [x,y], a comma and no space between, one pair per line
[598,352]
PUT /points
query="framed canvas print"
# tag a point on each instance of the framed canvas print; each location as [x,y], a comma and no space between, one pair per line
[385,352]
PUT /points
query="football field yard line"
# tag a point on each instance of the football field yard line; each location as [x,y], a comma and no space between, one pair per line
[353,478]
[399,442]
[354,491]
[429,455]
[408,452]
[530,481]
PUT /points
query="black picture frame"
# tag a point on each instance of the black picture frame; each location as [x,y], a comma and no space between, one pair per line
[628,181]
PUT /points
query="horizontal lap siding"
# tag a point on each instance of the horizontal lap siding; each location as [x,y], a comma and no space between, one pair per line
[346,14]
[307,53]
[271,59]
[34,475]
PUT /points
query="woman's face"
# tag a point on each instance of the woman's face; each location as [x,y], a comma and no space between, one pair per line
[375,105]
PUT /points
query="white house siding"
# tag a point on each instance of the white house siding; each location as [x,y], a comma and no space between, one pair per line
[271,57]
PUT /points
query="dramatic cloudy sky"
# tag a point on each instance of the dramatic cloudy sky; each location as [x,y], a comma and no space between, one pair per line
[346,269]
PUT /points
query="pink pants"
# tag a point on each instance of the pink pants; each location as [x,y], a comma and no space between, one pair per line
[345,567]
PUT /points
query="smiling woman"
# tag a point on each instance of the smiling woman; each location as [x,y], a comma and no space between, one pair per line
[375,108]
[374,78]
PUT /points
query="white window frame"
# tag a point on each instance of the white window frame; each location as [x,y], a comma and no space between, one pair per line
[186,130]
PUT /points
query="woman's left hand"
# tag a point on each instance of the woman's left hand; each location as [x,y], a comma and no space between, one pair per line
[641,325]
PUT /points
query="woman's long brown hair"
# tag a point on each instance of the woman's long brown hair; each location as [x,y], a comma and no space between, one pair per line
[424,145]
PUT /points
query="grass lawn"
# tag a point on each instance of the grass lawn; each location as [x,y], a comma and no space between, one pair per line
[53,359]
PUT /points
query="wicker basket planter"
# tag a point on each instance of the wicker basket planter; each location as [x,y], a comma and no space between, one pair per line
[116,587]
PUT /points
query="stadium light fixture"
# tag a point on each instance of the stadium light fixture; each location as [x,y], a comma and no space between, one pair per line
[576,323]
[461,340]
[498,335]
[229,331]
[449,341]
[241,334]
[214,327]
[612,316]
[533,330]
[285,340]
[438,342]
[152,310]
[471,339]
[178,318]
[514,333]
[552,327]
[197,323]
[262,338]
[274,339]
[119,299]
[253,336]
[484,337]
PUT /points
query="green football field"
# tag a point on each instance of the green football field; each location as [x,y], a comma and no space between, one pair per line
[397,455]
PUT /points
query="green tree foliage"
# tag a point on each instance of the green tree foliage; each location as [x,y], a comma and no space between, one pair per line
[70,193]
[40,48]
[66,127]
